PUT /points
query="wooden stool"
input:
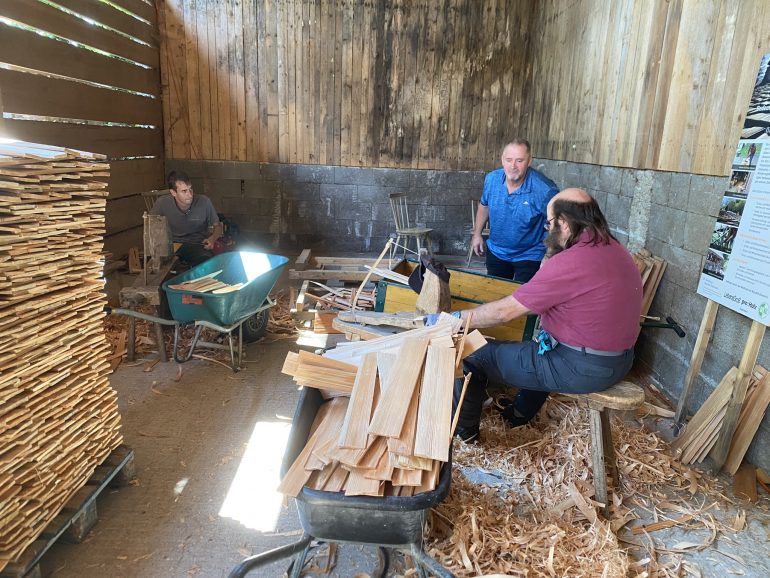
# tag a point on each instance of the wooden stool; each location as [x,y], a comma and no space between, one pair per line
[624,396]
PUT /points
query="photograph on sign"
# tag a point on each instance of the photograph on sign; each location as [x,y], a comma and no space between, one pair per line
[739,183]
[746,155]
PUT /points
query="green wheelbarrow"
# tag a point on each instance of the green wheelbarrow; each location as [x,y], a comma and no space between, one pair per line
[243,310]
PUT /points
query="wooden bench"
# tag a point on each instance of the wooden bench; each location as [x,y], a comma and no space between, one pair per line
[622,396]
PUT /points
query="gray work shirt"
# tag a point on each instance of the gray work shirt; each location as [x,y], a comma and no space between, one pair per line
[190,226]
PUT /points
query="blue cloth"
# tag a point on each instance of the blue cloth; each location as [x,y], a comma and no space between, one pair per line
[516,220]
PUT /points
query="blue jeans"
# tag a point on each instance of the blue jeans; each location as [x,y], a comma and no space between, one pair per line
[517,364]
[519,271]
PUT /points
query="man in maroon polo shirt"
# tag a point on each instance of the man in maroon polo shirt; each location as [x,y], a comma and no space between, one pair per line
[588,294]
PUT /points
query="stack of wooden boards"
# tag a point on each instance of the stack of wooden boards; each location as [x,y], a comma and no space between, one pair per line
[387,430]
[703,430]
[651,269]
[58,416]
[207,284]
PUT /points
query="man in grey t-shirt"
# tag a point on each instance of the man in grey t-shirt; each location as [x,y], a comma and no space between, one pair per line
[193,221]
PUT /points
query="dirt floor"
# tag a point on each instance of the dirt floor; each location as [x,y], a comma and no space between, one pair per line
[208,450]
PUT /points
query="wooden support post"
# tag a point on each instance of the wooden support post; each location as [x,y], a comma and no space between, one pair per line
[299,304]
[746,366]
[699,352]
[597,457]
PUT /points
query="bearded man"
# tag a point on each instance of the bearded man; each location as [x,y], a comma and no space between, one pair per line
[588,294]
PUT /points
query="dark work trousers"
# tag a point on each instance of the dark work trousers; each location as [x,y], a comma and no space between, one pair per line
[519,271]
[193,254]
[517,364]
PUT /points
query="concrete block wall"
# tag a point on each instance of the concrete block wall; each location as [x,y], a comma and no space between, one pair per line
[335,209]
[346,209]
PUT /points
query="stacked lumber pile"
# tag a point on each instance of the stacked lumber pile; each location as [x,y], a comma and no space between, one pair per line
[651,269]
[387,430]
[342,297]
[703,430]
[58,416]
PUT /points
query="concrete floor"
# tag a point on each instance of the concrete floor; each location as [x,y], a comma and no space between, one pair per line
[208,450]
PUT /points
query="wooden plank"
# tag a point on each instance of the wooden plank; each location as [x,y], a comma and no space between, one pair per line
[748,360]
[124,213]
[237,81]
[56,21]
[272,64]
[135,176]
[224,94]
[112,141]
[699,352]
[251,79]
[435,414]
[345,98]
[388,418]
[25,93]
[111,16]
[745,483]
[403,445]
[145,9]
[192,77]
[354,428]
[28,49]
[751,417]
[709,409]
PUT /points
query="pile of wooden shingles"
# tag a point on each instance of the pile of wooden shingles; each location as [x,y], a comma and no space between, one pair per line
[651,269]
[58,416]
[705,427]
[392,434]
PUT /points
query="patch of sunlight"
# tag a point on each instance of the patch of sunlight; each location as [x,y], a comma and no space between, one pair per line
[311,339]
[180,486]
[255,264]
[252,498]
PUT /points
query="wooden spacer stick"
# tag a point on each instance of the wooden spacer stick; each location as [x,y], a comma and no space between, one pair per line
[354,302]
[462,341]
[459,405]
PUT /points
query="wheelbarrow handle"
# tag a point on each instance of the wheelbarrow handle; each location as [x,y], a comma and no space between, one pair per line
[130,313]
[669,324]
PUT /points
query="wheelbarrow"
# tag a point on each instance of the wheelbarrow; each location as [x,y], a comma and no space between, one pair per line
[224,312]
[391,522]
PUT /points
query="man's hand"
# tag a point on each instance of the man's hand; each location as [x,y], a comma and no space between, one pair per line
[477,243]
[208,243]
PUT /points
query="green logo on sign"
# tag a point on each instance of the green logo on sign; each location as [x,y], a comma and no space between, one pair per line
[762,310]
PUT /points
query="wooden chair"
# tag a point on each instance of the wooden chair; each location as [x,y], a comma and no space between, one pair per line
[404,227]
[622,396]
[484,233]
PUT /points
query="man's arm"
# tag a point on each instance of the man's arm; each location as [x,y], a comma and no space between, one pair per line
[495,312]
[208,243]
[482,216]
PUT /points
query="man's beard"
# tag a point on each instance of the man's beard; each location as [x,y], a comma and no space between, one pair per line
[552,243]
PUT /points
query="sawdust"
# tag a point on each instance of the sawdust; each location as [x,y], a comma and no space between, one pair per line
[540,519]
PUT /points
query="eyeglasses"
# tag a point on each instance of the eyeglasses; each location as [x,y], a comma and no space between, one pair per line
[547,224]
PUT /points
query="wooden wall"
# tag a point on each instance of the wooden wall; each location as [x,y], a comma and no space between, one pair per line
[397,83]
[69,82]
[444,83]
[654,84]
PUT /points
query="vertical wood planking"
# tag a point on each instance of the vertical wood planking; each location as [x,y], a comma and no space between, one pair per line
[251,79]
[443,84]
[193,81]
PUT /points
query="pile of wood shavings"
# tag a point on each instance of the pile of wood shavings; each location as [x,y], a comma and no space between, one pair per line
[542,522]
[490,537]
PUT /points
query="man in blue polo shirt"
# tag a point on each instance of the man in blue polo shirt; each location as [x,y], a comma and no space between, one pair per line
[514,202]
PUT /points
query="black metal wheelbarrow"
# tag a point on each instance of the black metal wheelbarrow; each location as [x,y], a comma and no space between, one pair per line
[392,522]
[255,274]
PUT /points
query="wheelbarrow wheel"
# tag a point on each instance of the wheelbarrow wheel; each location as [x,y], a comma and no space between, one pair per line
[255,326]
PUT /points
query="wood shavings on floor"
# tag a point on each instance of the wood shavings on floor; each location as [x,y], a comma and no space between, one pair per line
[281,324]
[521,502]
